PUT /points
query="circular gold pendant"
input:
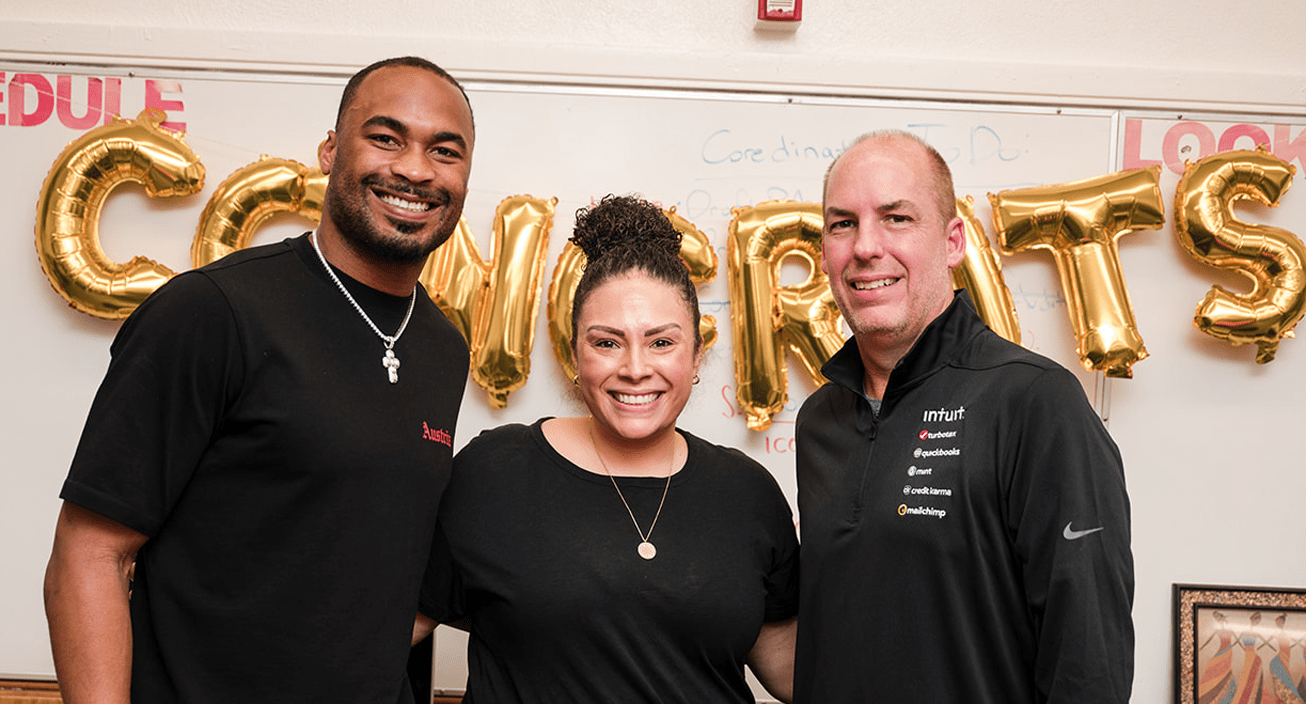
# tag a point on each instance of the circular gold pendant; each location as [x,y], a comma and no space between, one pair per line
[647,551]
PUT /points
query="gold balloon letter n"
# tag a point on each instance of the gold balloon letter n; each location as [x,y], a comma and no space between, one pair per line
[494,303]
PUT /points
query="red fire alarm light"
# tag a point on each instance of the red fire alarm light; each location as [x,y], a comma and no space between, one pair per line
[779,14]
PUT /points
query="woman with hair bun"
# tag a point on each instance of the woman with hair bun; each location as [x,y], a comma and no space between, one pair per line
[613,557]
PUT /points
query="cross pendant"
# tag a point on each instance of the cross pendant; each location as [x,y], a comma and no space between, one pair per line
[391,364]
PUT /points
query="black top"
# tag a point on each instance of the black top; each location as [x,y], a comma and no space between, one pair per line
[970,545]
[563,609]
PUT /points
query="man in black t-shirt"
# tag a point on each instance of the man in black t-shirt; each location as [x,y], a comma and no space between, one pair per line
[259,452]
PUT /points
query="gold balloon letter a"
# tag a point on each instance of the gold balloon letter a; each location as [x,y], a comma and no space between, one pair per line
[695,250]
[68,212]
[980,273]
[1080,223]
[494,303]
[767,317]
[1272,258]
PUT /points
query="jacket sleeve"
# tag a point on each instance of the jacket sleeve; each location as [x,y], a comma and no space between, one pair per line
[1069,514]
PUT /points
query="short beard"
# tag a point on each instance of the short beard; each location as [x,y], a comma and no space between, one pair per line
[360,231]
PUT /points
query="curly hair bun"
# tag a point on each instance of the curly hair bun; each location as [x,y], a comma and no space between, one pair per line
[623,222]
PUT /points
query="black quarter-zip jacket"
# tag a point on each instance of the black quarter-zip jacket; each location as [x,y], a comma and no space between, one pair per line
[968,544]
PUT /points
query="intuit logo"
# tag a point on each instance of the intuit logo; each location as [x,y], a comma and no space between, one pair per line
[441,436]
[945,415]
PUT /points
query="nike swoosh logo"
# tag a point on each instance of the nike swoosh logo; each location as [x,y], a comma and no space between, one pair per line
[1077,534]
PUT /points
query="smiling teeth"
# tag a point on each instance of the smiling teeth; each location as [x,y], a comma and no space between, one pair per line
[867,286]
[633,400]
[413,206]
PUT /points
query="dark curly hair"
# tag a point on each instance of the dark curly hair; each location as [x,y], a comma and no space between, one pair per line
[621,234]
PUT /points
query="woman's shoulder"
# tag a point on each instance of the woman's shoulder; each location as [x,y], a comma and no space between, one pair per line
[508,438]
[714,457]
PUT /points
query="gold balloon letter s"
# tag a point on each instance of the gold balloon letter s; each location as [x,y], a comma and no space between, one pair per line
[68,212]
[1272,258]
[766,317]
[1080,224]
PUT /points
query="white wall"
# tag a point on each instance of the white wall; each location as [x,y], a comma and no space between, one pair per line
[1177,55]
[1196,53]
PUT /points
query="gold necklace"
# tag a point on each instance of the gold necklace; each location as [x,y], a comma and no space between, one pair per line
[646,549]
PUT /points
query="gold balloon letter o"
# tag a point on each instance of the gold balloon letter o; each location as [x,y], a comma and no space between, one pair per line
[248,197]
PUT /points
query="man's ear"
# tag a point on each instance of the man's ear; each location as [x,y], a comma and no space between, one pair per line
[956,242]
[326,152]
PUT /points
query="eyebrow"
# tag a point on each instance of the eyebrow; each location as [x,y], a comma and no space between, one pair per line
[391,123]
[647,333]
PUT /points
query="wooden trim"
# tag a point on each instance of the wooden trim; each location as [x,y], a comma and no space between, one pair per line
[29,692]
[36,692]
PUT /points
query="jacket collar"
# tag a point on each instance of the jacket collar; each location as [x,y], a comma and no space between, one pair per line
[938,344]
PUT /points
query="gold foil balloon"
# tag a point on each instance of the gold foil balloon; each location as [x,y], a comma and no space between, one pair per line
[1080,223]
[767,317]
[980,273]
[74,192]
[695,250]
[1271,258]
[248,198]
[494,303]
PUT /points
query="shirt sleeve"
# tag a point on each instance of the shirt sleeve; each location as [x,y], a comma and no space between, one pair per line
[441,596]
[782,578]
[175,365]
[1069,514]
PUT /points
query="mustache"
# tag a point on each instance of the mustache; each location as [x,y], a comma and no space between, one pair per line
[438,196]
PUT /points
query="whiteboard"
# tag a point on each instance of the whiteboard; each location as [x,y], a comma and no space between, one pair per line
[1194,412]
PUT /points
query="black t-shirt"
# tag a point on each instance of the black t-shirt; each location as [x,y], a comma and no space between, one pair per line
[541,556]
[247,425]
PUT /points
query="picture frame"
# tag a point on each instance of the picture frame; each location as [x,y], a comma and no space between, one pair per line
[1235,638]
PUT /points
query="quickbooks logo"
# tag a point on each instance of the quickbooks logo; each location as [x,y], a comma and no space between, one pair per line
[949,452]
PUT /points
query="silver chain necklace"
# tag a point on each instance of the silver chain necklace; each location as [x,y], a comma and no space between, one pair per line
[645,549]
[389,361]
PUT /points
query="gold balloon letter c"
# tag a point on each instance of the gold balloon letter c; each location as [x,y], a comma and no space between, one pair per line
[68,212]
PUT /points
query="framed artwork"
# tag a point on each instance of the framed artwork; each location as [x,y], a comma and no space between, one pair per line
[1239,644]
